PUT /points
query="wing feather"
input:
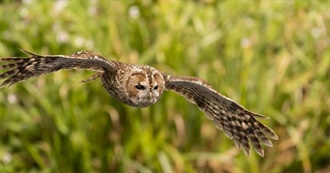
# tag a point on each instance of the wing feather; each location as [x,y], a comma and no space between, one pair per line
[237,122]
[20,69]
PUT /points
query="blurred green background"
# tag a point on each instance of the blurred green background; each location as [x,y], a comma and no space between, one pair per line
[271,56]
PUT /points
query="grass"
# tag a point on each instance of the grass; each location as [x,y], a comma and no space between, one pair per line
[271,56]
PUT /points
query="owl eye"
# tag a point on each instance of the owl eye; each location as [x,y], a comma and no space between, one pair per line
[140,87]
[156,87]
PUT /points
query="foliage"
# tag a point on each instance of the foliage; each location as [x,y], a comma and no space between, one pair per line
[270,56]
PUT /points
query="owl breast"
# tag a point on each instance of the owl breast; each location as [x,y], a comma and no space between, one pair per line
[135,85]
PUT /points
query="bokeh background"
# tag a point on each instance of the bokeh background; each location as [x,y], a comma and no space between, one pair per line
[272,56]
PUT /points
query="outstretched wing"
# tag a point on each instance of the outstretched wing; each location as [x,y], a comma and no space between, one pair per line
[237,122]
[24,68]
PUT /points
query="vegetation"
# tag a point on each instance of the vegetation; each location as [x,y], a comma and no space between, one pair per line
[271,56]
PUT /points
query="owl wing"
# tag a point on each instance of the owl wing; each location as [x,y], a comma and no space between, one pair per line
[237,122]
[24,68]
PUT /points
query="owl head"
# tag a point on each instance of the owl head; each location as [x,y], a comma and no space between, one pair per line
[145,86]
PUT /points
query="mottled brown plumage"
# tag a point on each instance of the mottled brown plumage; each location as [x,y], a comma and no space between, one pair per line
[142,85]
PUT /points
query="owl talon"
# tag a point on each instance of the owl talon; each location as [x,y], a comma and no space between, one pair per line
[95,76]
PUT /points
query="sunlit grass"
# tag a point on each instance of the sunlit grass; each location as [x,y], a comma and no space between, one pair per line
[272,57]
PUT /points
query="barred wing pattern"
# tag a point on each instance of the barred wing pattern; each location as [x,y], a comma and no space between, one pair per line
[238,123]
[36,65]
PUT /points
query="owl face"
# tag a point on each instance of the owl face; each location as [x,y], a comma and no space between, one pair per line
[145,87]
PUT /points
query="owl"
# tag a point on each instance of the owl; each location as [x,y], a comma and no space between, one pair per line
[142,86]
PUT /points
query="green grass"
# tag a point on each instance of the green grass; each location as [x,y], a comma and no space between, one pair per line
[271,56]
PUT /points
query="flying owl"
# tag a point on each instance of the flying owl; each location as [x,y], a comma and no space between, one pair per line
[142,86]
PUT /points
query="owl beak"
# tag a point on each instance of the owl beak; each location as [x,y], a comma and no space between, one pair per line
[150,98]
